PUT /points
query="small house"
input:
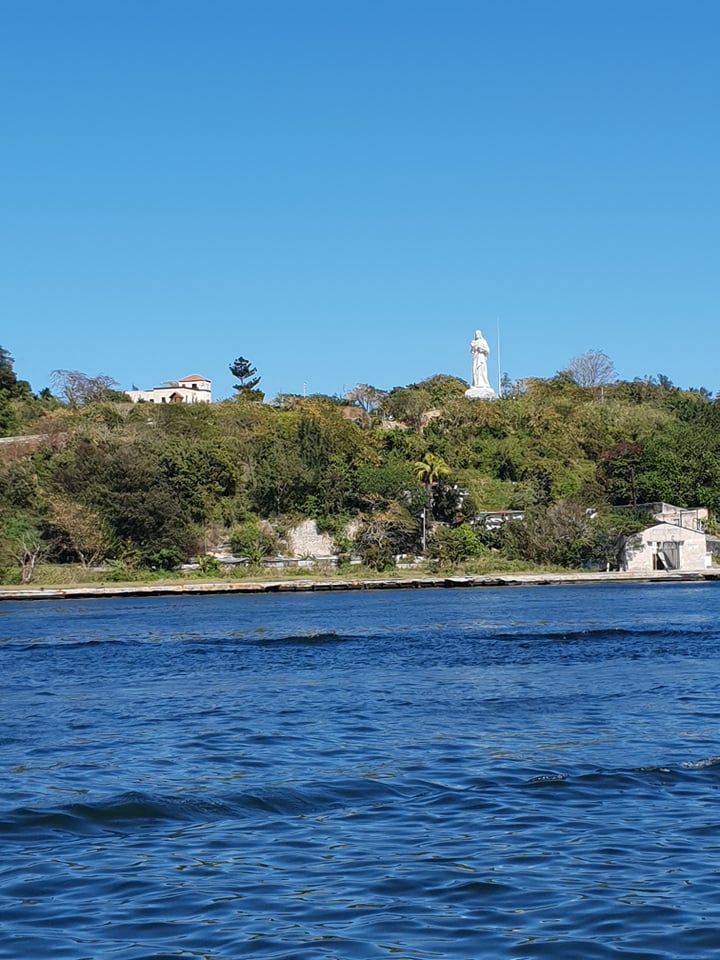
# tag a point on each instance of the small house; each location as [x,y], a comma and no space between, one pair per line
[665,546]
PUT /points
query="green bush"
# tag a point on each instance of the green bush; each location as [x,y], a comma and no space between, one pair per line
[250,539]
[378,557]
[210,566]
[9,576]
[452,545]
[165,559]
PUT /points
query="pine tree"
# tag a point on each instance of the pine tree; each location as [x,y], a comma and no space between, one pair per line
[246,374]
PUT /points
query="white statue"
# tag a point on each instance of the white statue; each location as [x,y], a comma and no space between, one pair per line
[480,389]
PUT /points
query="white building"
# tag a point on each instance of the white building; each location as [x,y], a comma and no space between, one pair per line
[692,518]
[192,389]
[666,546]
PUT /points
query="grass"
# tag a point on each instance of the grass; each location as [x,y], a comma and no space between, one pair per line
[74,575]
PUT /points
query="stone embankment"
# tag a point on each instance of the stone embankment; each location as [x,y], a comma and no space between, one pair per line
[317,585]
[22,447]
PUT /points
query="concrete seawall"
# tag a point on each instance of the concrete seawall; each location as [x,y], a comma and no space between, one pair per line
[320,586]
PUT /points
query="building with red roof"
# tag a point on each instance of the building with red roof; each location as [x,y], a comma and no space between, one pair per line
[192,389]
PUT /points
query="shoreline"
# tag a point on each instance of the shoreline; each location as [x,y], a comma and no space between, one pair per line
[324,586]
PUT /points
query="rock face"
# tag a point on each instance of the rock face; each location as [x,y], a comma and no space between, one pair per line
[305,541]
[480,389]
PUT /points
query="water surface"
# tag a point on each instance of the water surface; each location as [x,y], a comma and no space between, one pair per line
[512,773]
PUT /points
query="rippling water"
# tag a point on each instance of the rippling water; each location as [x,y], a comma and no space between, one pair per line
[511,773]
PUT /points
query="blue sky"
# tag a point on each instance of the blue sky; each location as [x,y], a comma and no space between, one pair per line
[344,190]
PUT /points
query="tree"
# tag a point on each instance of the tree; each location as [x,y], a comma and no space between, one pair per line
[430,469]
[682,464]
[21,539]
[6,363]
[19,488]
[593,369]
[617,471]
[368,398]
[384,533]
[608,533]
[452,545]
[568,534]
[82,528]
[78,388]
[547,534]
[408,405]
[246,374]
[201,471]
[507,387]
[391,479]
[447,501]
[253,539]
[128,485]
[442,387]
[12,390]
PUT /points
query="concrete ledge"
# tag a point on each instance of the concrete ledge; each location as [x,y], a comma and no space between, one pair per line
[319,586]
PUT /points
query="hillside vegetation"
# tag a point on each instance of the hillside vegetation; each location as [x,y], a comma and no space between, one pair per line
[145,486]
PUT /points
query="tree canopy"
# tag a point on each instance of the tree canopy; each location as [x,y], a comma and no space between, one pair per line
[592,369]
[246,374]
[106,483]
[14,395]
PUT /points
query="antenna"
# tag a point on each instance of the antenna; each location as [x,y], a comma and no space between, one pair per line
[498,355]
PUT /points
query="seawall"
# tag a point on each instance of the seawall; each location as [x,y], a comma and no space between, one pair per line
[320,586]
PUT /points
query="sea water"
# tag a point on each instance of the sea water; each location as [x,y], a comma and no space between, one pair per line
[503,773]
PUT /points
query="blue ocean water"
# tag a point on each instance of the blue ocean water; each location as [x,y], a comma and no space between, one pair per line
[504,773]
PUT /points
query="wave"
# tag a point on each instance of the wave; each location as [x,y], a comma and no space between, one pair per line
[258,637]
[618,779]
[589,634]
[538,634]
[304,639]
[701,764]
[126,811]
[524,634]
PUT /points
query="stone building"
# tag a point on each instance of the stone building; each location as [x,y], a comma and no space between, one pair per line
[666,546]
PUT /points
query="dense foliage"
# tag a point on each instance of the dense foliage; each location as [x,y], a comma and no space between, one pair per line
[141,485]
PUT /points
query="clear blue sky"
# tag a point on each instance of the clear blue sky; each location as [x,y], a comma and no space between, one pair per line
[344,190]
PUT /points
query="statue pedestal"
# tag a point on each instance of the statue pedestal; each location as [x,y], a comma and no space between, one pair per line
[480,393]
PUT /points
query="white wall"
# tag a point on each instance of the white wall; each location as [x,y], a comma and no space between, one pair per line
[641,548]
[163,395]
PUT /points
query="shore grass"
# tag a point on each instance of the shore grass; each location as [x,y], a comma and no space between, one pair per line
[74,575]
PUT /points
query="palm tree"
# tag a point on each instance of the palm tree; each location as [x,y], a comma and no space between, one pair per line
[428,471]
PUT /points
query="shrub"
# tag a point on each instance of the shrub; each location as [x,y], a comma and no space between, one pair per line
[253,540]
[377,557]
[210,565]
[454,544]
[9,576]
